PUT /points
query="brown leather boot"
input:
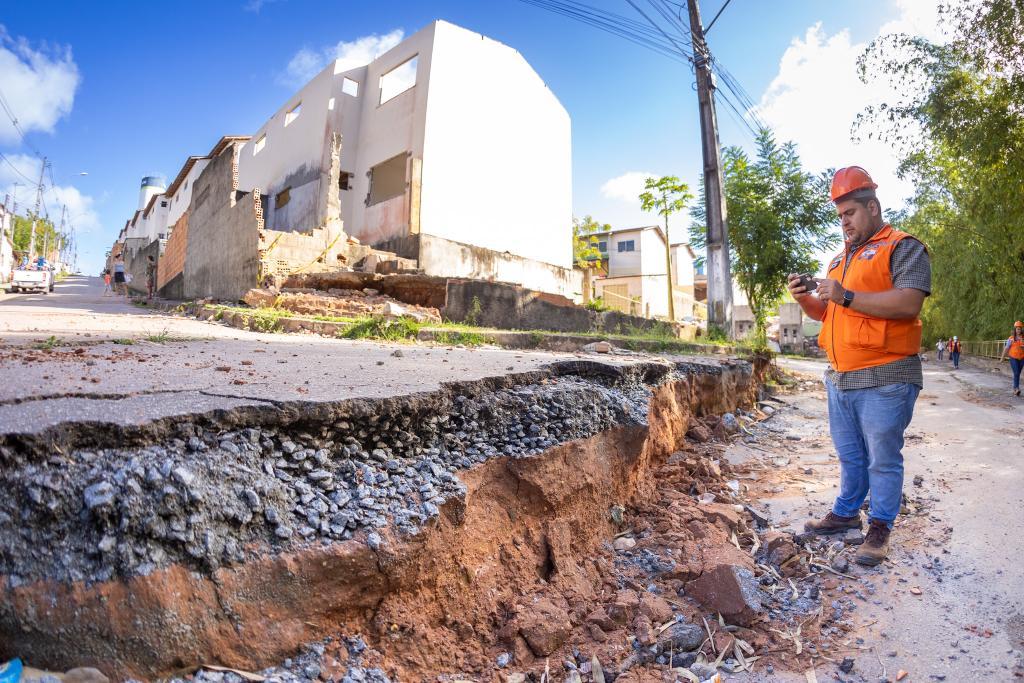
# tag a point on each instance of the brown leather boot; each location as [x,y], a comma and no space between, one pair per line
[832,524]
[875,546]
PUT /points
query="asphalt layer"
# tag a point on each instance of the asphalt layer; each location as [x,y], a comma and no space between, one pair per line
[77,356]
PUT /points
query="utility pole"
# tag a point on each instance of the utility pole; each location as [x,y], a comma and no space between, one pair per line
[35,214]
[719,279]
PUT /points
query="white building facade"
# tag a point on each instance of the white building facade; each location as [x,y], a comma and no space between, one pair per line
[635,280]
[448,148]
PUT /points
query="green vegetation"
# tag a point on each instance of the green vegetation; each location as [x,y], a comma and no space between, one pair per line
[46,235]
[165,337]
[779,217]
[597,304]
[48,344]
[585,252]
[666,196]
[399,329]
[959,126]
[475,311]
[124,341]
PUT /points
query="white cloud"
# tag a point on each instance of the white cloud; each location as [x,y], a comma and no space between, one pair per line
[81,207]
[626,187]
[817,95]
[307,63]
[38,85]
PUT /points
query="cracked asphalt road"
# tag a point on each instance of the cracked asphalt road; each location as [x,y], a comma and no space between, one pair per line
[117,363]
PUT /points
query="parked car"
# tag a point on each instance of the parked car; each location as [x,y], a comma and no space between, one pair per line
[32,279]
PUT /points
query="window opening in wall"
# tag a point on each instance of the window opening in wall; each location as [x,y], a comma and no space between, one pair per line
[282,197]
[387,180]
[330,104]
[293,113]
[344,180]
[350,87]
[398,80]
[627,245]
[602,247]
[163,204]
[260,144]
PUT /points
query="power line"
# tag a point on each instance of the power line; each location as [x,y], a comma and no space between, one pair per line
[17,126]
[615,24]
[655,25]
[708,27]
[16,169]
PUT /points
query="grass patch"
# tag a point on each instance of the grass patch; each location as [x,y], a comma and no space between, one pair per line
[48,344]
[124,341]
[457,337]
[165,337]
[398,329]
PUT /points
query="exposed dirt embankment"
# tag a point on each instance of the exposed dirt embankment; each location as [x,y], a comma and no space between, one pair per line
[439,579]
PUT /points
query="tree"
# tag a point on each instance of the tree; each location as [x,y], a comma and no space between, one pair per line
[46,233]
[666,196]
[958,121]
[780,216]
[585,252]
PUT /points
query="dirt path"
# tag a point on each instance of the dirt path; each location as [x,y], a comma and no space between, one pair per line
[949,605]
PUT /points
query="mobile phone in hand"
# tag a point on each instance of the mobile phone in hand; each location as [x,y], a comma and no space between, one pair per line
[809,283]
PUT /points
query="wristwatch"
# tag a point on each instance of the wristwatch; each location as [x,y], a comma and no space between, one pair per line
[847,298]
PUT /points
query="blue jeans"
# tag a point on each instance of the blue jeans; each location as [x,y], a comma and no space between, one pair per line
[956,358]
[1016,365]
[867,430]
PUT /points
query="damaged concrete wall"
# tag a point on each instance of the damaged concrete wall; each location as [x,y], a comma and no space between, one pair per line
[135,262]
[444,258]
[222,254]
[510,307]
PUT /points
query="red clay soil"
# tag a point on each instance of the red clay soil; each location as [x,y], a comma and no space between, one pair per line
[523,565]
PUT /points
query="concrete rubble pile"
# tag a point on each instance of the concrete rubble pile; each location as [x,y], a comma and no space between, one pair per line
[339,303]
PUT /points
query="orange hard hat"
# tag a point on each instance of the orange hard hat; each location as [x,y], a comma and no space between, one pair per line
[850,179]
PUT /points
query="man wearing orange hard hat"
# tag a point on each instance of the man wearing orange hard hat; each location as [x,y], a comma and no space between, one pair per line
[869,305]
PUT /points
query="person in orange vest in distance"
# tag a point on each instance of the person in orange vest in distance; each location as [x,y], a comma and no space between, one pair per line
[1014,348]
[869,305]
[954,352]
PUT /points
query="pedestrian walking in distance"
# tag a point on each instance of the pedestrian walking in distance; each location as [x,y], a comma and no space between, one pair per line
[106,283]
[940,346]
[869,304]
[120,286]
[954,352]
[150,276]
[1014,348]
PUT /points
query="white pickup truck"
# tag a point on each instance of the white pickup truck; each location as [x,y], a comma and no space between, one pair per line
[32,279]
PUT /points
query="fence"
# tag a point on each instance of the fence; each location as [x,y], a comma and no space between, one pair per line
[986,349]
[623,304]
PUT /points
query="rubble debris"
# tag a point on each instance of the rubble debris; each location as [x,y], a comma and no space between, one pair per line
[340,303]
[730,590]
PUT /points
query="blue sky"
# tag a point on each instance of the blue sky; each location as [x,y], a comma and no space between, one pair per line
[121,90]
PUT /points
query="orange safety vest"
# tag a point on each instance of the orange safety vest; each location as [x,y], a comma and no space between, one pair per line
[855,340]
[954,347]
[1016,348]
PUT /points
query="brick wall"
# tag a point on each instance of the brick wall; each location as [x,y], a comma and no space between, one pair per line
[172,261]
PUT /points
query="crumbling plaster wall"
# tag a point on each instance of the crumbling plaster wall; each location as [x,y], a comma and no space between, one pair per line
[222,253]
[445,258]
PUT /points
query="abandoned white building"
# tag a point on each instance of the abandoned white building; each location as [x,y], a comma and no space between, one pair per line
[634,283]
[447,149]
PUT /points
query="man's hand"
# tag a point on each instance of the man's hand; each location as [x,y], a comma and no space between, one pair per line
[831,290]
[795,288]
